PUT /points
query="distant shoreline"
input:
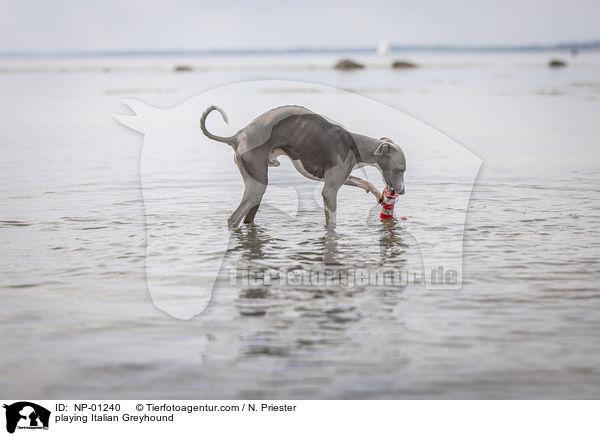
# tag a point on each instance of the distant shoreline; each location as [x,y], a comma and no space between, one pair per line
[394,49]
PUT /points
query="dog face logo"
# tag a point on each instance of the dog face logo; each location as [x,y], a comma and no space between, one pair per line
[190,185]
[26,415]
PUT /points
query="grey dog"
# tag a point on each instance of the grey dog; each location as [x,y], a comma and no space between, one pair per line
[319,149]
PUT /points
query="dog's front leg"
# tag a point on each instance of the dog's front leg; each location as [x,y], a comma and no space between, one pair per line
[360,183]
[330,202]
[333,180]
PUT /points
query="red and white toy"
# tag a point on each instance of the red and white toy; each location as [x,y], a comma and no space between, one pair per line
[388,200]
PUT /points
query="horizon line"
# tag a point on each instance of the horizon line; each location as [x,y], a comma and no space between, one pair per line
[575,45]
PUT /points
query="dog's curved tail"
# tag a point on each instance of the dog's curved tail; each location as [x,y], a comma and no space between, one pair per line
[228,140]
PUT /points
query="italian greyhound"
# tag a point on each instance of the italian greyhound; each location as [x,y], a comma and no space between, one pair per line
[319,149]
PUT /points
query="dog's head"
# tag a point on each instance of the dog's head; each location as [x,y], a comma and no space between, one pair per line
[392,164]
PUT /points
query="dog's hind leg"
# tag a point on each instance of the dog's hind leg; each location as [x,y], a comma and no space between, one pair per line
[255,174]
[249,218]
[251,199]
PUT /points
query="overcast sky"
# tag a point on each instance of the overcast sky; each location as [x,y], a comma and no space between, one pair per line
[81,25]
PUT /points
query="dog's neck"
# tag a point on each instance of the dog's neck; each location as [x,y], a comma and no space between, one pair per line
[366,148]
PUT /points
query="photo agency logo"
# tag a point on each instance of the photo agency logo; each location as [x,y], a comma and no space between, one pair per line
[201,208]
[25,415]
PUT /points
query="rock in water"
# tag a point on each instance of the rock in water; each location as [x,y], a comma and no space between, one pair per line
[557,63]
[347,64]
[182,68]
[403,65]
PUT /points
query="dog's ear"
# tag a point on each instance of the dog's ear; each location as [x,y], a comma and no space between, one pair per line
[384,148]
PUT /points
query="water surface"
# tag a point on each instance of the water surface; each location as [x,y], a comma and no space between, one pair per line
[77,317]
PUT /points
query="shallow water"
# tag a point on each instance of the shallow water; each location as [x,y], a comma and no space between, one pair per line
[73,236]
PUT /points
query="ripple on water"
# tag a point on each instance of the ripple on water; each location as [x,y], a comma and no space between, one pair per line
[14,223]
